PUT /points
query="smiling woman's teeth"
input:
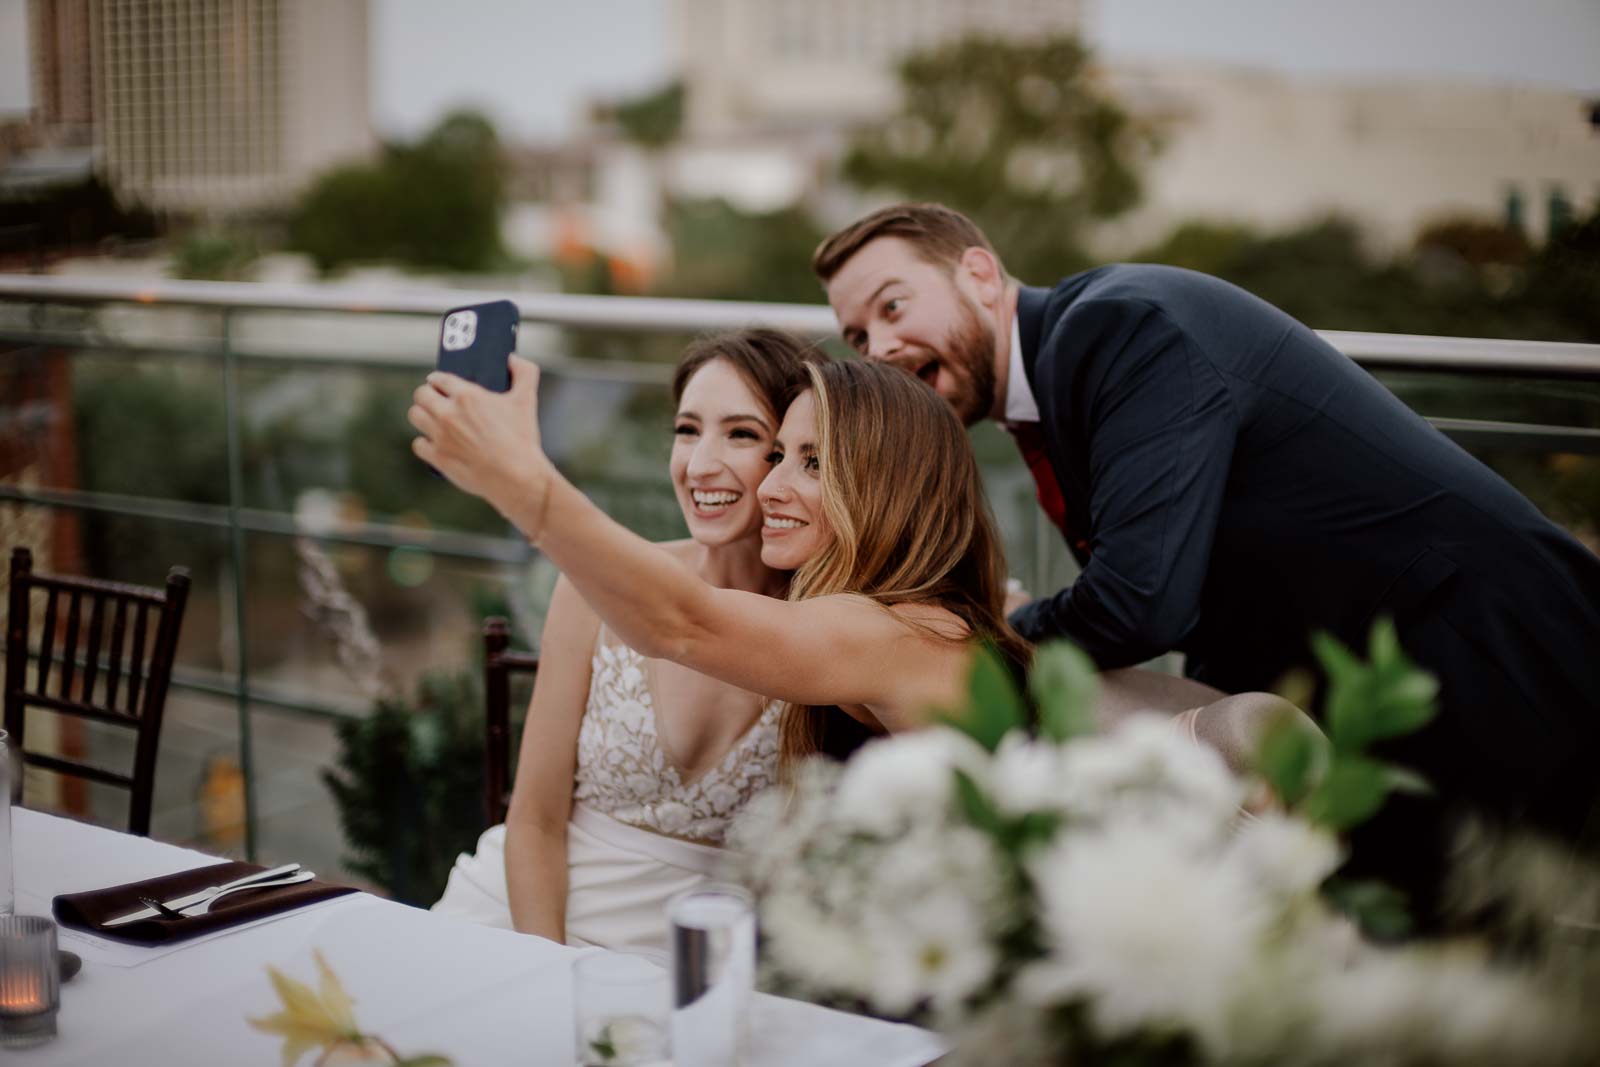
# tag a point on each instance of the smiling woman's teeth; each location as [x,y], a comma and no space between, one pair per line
[720,499]
[782,524]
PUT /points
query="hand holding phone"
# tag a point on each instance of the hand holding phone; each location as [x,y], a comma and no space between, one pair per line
[476,340]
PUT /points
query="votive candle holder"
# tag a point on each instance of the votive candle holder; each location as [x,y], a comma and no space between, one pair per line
[30,980]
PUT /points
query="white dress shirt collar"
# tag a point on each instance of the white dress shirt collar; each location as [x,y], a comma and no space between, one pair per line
[1020,405]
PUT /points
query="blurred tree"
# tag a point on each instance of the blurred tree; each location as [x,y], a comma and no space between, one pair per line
[1016,135]
[1323,274]
[391,481]
[408,783]
[215,255]
[1474,242]
[435,203]
[653,120]
[154,432]
[723,253]
[1561,287]
[1320,273]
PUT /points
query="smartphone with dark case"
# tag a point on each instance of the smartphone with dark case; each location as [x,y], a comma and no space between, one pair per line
[476,340]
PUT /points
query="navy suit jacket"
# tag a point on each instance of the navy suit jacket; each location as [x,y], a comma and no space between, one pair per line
[1243,484]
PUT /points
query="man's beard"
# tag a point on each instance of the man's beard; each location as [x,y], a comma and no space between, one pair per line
[969,353]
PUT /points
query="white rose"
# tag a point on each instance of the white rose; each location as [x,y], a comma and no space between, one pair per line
[1289,856]
[1146,770]
[1152,933]
[905,778]
[1027,775]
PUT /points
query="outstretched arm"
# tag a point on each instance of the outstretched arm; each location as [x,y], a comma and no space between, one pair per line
[831,650]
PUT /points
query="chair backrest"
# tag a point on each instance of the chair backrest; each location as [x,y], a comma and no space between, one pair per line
[499,664]
[117,673]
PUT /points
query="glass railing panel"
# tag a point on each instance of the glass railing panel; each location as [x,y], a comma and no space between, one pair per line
[150,425]
[297,820]
[335,625]
[1542,436]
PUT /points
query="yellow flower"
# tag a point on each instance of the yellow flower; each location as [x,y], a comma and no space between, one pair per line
[309,1020]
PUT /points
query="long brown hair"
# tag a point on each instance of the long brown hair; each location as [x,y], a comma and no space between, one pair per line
[772,363]
[901,489]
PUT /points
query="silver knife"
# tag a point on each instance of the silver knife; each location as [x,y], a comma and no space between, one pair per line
[179,903]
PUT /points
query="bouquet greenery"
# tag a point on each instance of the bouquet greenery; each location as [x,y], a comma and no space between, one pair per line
[1066,897]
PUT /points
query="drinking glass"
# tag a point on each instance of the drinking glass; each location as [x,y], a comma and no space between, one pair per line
[620,1007]
[713,973]
[30,980]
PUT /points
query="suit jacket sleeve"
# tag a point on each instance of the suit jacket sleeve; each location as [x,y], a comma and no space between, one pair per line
[1160,429]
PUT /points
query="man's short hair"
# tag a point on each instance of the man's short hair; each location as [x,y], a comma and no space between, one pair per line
[938,234]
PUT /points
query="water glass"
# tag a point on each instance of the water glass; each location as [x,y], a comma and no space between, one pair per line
[30,980]
[620,1010]
[714,973]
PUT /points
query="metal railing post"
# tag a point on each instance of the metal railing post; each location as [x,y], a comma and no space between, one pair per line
[241,696]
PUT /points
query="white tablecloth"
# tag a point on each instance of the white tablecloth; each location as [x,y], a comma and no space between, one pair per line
[422,982]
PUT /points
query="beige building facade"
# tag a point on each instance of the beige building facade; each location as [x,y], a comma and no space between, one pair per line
[795,62]
[775,85]
[1273,151]
[209,106]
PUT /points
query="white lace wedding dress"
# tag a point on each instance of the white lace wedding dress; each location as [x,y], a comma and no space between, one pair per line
[639,832]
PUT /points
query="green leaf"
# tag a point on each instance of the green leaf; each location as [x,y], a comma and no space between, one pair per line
[1339,662]
[1389,697]
[1064,684]
[1351,791]
[1290,758]
[1349,700]
[1383,644]
[1377,907]
[427,1059]
[994,707]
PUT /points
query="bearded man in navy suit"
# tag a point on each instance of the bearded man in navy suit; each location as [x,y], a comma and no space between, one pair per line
[1232,484]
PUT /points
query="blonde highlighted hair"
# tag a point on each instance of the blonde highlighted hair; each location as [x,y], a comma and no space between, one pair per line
[902,492]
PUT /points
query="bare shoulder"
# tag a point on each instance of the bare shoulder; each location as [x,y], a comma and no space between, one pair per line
[917,622]
[943,622]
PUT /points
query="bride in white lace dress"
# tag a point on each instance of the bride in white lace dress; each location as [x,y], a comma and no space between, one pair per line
[631,768]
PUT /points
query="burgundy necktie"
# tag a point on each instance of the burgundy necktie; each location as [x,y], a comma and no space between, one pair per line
[1030,442]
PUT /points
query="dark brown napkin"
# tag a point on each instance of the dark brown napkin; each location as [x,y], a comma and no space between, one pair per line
[87,910]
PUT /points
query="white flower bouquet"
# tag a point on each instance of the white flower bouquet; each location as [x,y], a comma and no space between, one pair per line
[1075,898]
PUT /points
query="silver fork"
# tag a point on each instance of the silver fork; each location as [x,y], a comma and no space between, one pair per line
[205,905]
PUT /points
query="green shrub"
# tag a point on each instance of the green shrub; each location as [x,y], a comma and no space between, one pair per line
[409,786]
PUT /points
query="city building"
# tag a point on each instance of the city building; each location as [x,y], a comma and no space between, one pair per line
[774,88]
[769,63]
[207,106]
[1273,151]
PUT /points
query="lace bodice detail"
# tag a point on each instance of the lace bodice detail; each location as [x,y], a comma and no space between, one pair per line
[624,772]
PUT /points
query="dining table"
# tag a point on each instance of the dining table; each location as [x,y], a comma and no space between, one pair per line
[422,982]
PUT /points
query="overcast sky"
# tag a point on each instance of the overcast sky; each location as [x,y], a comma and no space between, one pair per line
[533,63]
